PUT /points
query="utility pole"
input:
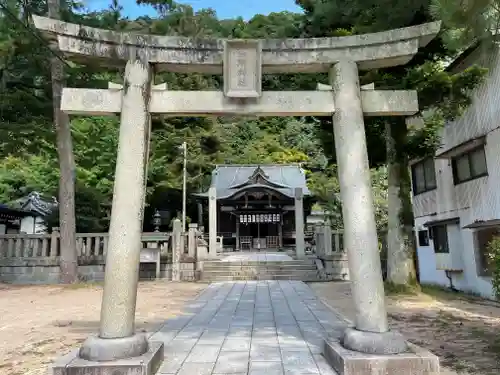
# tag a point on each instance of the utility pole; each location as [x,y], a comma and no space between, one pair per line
[184,177]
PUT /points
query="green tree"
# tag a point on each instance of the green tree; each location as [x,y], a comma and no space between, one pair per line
[24,82]
[467,21]
[29,143]
[439,91]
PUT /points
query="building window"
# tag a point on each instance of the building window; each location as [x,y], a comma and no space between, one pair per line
[483,237]
[423,176]
[440,238]
[469,166]
[423,238]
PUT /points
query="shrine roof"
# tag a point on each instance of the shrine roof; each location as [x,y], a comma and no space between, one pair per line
[36,204]
[229,179]
[7,212]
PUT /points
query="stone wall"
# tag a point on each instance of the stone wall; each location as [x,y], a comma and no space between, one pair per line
[46,270]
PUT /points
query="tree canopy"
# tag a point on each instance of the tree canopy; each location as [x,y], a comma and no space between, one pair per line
[28,153]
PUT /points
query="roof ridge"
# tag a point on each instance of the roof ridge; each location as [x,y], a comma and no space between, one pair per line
[259,165]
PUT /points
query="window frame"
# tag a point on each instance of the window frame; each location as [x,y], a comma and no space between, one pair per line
[427,186]
[436,238]
[423,236]
[482,266]
[468,155]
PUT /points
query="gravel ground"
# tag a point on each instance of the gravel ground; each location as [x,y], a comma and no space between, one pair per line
[462,331]
[39,323]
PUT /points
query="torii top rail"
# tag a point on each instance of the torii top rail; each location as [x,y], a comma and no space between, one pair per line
[242,62]
[179,54]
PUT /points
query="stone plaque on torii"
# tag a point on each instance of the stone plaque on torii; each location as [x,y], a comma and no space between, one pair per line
[242,62]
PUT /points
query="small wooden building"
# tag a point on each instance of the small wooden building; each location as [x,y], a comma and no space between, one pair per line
[256,205]
[12,220]
[26,215]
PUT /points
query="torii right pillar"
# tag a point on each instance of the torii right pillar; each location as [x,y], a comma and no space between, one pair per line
[360,231]
[387,350]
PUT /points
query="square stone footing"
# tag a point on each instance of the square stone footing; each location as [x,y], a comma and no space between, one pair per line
[146,364]
[346,362]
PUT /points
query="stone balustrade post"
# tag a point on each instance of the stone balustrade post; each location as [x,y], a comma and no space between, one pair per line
[212,221]
[337,243]
[192,241]
[177,250]
[327,231]
[55,237]
[299,224]
[317,239]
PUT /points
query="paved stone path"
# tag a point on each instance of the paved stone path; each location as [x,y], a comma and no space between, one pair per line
[251,328]
[257,257]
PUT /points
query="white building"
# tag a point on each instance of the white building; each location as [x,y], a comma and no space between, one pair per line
[27,216]
[456,194]
[14,221]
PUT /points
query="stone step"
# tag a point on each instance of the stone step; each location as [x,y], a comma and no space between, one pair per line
[253,262]
[256,263]
[250,273]
[217,267]
[299,277]
[302,270]
[246,273]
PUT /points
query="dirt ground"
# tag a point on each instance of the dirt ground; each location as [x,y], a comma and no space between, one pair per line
[39,323]
[463,331]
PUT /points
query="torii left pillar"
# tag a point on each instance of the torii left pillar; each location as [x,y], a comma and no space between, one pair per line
[117,338]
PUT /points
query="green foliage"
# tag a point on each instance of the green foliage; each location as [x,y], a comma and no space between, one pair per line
[443,93]
[467,21]
[326,188]
[29,157]
[331,18]
[28,154]
[25,104]
[95,141]
[19,176]
[493,251]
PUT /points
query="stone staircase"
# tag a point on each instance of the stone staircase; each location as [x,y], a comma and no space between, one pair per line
[301,270]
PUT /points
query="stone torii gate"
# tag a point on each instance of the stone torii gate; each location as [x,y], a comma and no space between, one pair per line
[242,62]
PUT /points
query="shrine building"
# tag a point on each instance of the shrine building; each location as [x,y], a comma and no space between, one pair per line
[258,206]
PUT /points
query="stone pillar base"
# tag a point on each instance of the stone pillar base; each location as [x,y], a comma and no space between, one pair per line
[98,349]
[145,364]
[415,361]
[373,342]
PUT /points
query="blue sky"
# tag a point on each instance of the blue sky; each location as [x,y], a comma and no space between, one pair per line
[224,8]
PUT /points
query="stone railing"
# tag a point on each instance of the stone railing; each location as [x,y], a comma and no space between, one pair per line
[219,240]
[327,241]
[34,258]
[87,244]
[329,247]
[27,245]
